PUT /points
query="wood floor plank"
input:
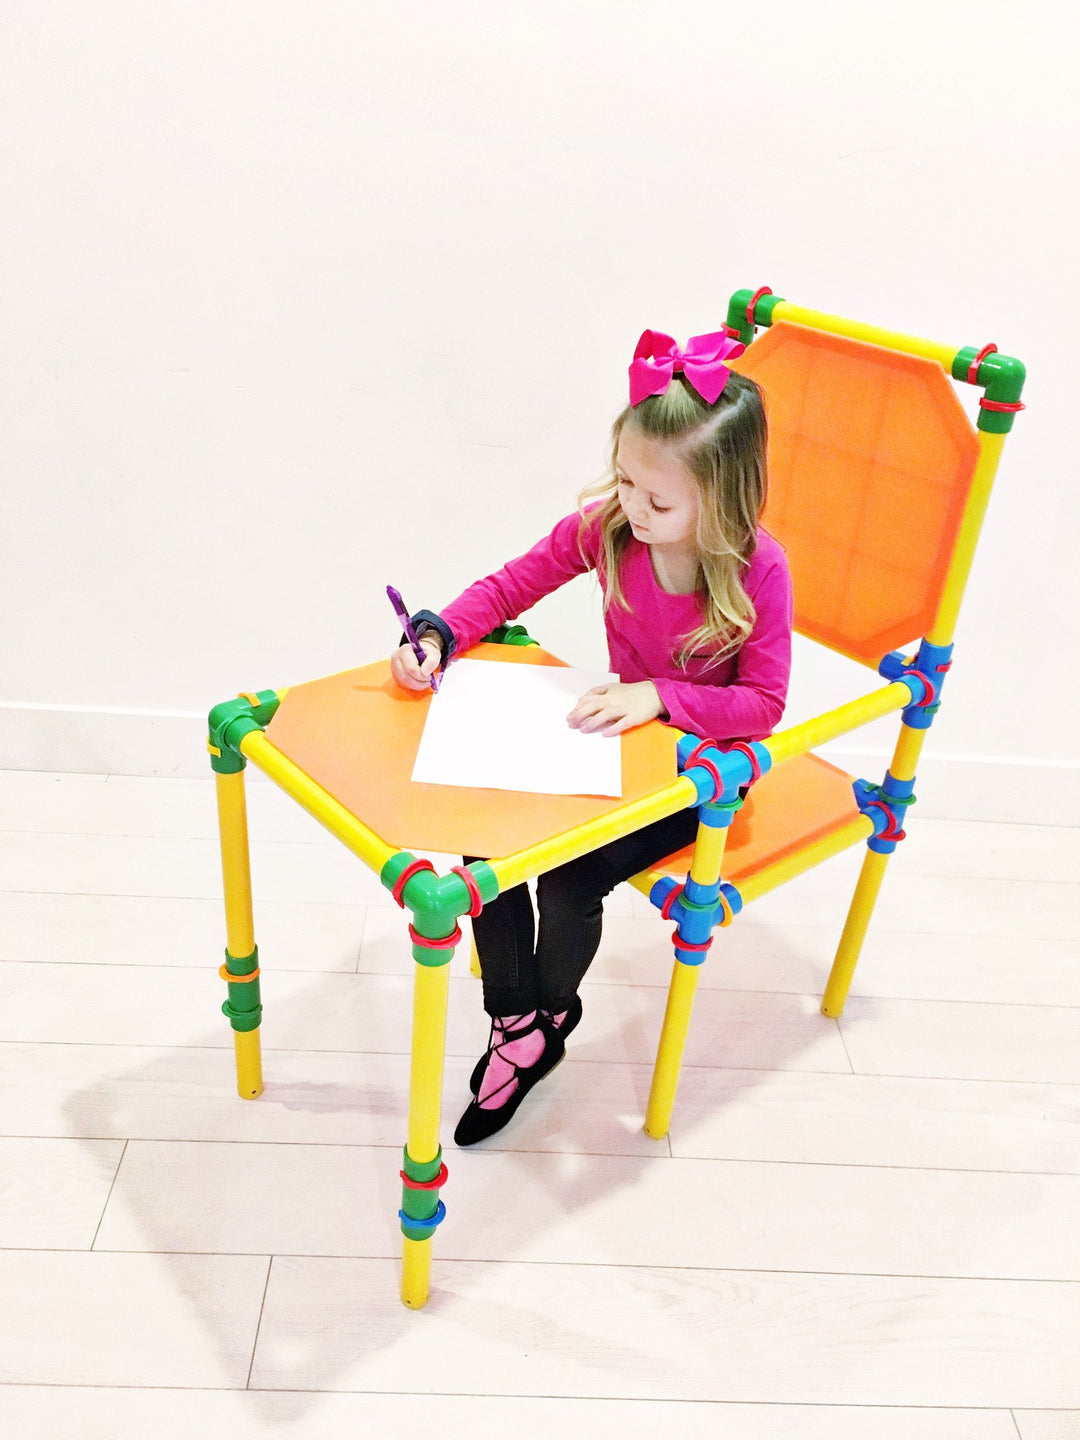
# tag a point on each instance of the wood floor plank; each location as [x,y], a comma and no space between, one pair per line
[43,1413]
[664,1334]
[962,1041]
[916,903]
[877,1120]
[895,964]
[1048,1424]
[115,1004]
[314,1097]
[183,867]
[297,935]
[152,930]
[1004,852]
[179,867]
[97,1319]
[310,1098]
[591,1209]
[172,866]
[53,1192]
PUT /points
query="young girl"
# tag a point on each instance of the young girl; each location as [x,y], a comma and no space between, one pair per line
[697,607]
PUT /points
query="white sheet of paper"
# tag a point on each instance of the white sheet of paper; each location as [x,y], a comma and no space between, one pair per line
[501,726]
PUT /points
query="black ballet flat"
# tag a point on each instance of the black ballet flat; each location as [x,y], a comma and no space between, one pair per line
[573,1019]
[478,1123]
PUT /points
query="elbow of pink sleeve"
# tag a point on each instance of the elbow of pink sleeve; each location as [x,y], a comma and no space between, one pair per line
[774,712]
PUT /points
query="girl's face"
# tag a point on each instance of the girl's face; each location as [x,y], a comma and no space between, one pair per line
[657,493]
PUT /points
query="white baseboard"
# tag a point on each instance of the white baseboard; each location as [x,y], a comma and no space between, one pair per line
[102,741]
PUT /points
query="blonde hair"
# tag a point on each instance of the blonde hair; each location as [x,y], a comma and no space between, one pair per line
[723,447]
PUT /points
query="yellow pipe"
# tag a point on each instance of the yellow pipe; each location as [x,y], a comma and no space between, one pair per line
[239,922]
[593,833]
[910,742]
[786,744]
[854,933]
[430,992]
[680,1004]
[906,755]
[680,1001]
[708,853]
[235,864]
[905,758]
[352,833]
[871,334]
[990,448]
[249,1076]
[416,1273]
[474,961]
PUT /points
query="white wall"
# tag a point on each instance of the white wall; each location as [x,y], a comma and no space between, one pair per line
[305,298]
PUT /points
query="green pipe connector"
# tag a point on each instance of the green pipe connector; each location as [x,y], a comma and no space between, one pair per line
[437,901]
[230,721]
[243,1008]
[421,1210]
[718,809]
[763,312]
[1003,378]
[510,635]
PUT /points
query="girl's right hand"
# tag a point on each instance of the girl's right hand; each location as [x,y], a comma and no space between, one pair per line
[407,671]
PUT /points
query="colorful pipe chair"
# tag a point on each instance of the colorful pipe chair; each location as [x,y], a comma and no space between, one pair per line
[878,486]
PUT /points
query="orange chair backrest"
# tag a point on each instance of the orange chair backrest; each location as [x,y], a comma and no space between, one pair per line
[870,463]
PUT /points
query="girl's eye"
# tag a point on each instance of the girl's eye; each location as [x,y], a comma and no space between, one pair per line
[661,509]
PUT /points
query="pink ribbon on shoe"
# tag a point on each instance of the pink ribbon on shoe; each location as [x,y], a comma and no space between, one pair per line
[657,358]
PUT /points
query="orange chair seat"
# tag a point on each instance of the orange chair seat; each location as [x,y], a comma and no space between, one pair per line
[791,807]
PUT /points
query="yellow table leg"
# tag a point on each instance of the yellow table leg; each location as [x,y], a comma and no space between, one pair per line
[416,1273]
[474,962]
[430,995]
[239,924]
[249,1076]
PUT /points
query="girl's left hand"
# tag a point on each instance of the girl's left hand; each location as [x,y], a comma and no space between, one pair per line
[611,709]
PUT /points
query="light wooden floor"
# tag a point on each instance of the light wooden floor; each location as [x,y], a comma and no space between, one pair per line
[864,1228]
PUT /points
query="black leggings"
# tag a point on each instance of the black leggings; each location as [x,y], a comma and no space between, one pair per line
[522,973]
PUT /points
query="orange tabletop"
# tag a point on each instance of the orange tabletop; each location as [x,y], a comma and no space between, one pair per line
[356,735]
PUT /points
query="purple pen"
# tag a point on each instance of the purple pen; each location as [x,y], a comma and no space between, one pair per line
[410,634]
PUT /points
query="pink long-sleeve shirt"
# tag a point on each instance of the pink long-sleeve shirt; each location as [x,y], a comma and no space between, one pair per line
[741,698]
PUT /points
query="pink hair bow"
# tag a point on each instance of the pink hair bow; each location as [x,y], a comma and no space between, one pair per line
[657,358]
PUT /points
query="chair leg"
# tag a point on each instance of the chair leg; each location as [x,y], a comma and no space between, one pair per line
[902,768]
[474,961]
[854,933]
[424,1172]
[241,968]
[703,883]
[665,1081]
